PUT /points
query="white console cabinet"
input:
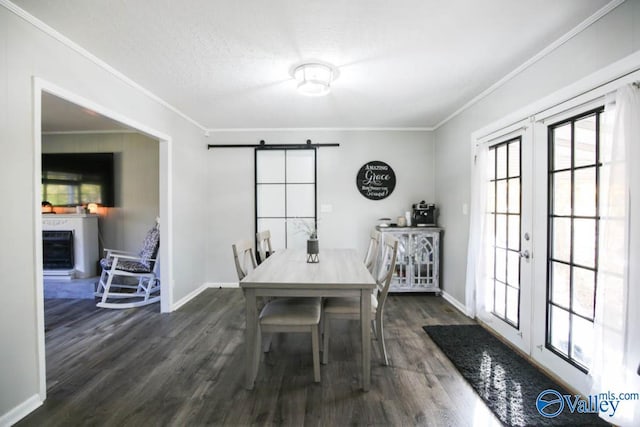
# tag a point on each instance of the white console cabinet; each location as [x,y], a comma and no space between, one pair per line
[85,242]
[418,261]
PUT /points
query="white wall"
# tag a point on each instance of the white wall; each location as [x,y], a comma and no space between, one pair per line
[613,37]
[136,182]
[25,52]
[231,187]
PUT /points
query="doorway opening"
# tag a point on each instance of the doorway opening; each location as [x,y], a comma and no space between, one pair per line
[73,108]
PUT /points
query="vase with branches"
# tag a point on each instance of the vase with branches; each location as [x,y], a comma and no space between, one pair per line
[309,228]
[306,226]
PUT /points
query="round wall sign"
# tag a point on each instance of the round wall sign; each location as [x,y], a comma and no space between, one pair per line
[376,180]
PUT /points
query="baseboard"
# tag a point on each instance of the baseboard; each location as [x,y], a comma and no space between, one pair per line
[20,411]
[454,302]
[223,285]
[199,290]
[188,297]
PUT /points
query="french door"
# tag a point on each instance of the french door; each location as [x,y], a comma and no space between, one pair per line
[539,273]
[566,208]
[506,288]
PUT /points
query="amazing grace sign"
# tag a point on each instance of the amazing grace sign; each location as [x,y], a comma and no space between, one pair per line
[376,180]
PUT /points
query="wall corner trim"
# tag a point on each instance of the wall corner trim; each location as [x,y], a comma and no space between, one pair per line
[175,306]
[454,302]
[199,290]
[20,411]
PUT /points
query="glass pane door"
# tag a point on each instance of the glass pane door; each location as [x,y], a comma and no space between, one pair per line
[505,293]
[504,207]
[286,194]
[574,170]
[568,175]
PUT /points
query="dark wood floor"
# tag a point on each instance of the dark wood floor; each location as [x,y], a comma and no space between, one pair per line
[139,367]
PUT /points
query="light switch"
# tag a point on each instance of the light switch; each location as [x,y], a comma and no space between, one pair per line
[465,209]
[324,208]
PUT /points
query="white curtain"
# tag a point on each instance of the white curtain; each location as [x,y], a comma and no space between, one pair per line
[476,259]
[616,358]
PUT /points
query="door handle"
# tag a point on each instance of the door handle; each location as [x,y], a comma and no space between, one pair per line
[525,254]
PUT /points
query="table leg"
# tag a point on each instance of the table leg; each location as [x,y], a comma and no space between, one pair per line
[365,324]
[251,337]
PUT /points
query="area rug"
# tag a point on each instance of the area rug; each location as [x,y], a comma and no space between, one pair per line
[510,386]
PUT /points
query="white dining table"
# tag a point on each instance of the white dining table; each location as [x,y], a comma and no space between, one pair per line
[286,273]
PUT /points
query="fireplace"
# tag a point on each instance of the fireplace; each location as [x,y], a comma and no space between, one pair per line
[84,231]
[57,250]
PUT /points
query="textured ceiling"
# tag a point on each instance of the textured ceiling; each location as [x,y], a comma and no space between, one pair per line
[226,64]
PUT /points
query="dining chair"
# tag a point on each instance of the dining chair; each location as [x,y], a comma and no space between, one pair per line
[243,257]
[371,256]
[283,314]
[349,307]
[263,245]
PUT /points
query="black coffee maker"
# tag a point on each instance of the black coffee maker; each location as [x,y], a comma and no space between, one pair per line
[424,214]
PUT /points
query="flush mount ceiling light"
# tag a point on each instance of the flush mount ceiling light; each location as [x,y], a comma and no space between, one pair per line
[314,78]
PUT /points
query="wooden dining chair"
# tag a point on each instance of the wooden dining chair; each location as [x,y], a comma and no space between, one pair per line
[371,256]
[263,245]
[243,257]
[283,314]
[349,307]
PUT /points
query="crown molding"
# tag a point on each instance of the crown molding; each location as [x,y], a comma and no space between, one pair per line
[88,132]
[91,57]
[326,129]
[537,57]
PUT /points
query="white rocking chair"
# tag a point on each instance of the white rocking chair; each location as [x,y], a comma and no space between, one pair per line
[143,266]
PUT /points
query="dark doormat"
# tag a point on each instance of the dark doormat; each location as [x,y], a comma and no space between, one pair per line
[507,383]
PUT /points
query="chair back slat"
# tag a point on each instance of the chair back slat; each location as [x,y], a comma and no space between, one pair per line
[372,251]
[263,245]
[243,258]
[389,253]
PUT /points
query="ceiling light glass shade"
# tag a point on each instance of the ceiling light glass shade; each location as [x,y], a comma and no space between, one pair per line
[314,79]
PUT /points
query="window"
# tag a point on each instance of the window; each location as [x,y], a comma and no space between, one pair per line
[504,206]
[70,189]
[573,220]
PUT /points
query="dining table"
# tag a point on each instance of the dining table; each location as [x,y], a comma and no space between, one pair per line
[286,273]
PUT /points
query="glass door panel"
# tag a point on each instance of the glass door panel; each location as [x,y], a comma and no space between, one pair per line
[285,195]
[573,177]
[505,216]
[566,215]
[506,293]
